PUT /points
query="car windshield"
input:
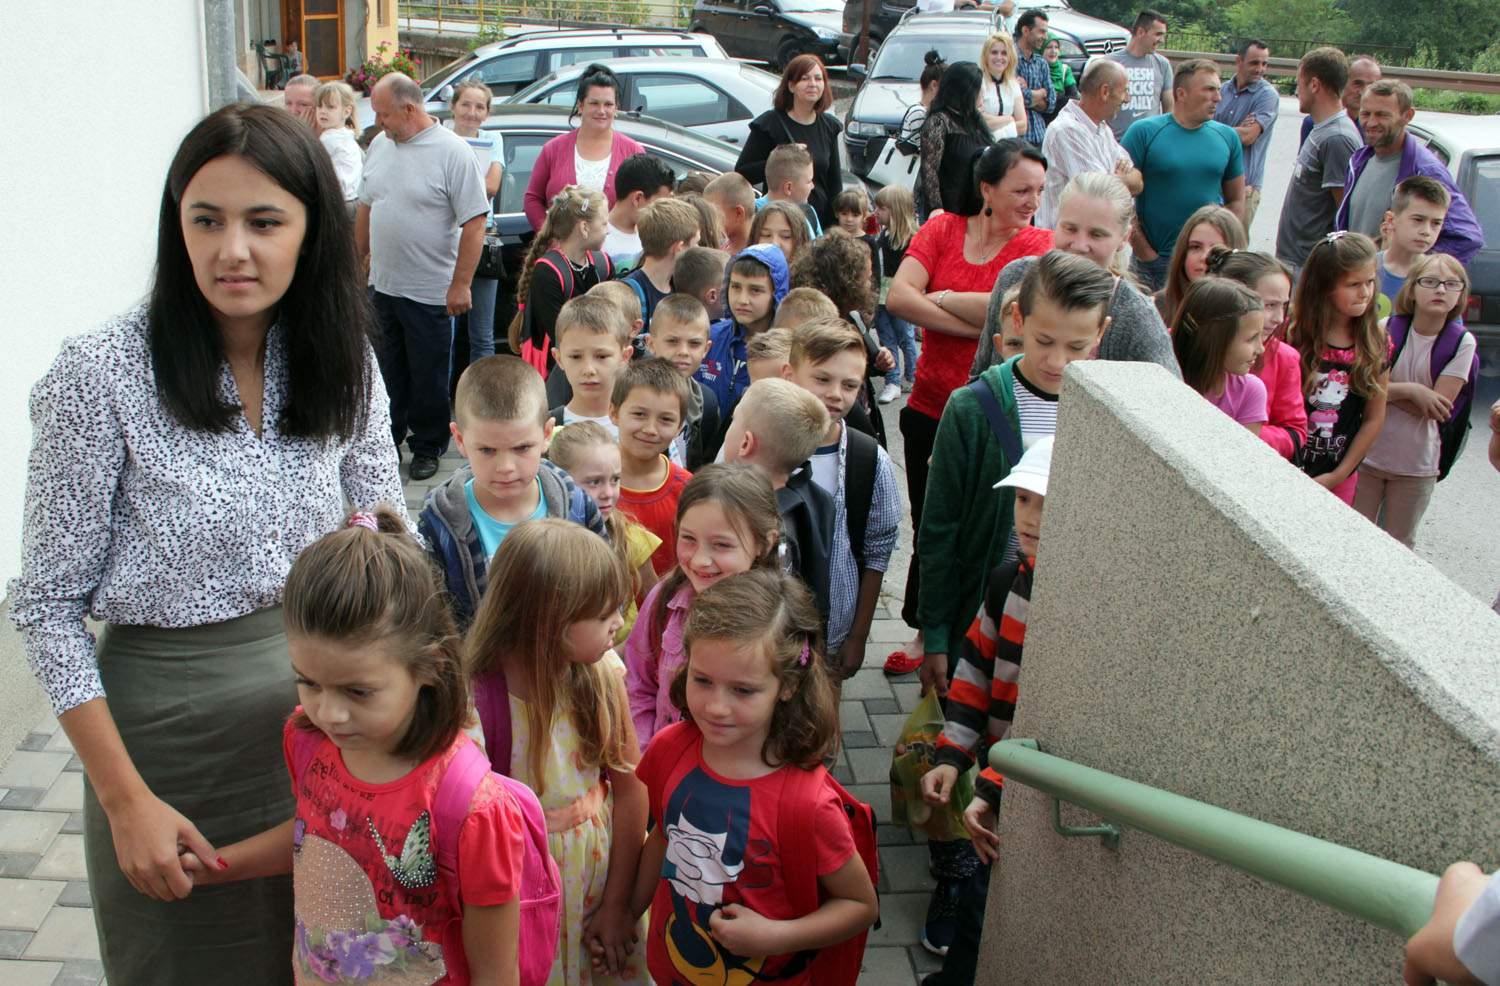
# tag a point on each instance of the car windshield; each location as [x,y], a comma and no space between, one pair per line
[1484,196]
[903,58]
[435,78]
[811,6]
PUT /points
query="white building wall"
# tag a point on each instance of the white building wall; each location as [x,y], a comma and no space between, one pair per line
[82,175]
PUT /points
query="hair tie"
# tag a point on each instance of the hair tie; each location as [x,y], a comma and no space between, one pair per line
[805,656]
[365,519]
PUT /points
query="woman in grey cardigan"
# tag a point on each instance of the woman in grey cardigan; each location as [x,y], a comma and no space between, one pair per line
[1093,221]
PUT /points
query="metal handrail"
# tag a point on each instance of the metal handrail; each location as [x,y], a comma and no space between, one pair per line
[1417,78]
[1388,895]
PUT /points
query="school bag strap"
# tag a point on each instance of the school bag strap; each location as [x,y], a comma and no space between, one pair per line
[1000,425]
[492,703]
[676,742]
[1453,434]
[859,489]
[450,806]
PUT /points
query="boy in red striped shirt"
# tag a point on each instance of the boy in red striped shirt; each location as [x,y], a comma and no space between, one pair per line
[981,703]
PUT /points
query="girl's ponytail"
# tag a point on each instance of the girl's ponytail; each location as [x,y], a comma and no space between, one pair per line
[570,206]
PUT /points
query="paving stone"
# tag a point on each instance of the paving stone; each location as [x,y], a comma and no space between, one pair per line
[901,917]
[871,765]
[25,769]
[66,794]
[35,742]
[907,868]
[13,943]
[59,743]
[842,774]
[908,694]
[857,739]
[924,960]
[81,972]
[889,631]
[881,706]
[853,718]
[888,728]
[48,725]
[867,684]
[18,864]
[29,831]
[893,835]
[64,861]
[75,894]
[877,796]
[29,973]
[886,967]
[24,903]
[74,765]
[22,798]
[74,824]
[67,933]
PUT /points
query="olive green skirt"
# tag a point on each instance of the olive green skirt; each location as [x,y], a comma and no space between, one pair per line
[200,710]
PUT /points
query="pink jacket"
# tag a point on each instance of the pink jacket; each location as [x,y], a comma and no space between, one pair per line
[652,657]
[1280,369]
[554,169]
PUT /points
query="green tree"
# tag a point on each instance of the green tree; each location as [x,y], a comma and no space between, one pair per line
[1306,20]
[1456,32]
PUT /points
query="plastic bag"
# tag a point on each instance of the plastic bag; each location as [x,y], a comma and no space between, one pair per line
[912,758]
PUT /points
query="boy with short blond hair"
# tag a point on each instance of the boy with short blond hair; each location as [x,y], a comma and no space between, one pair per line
[681,336]
[767,353]
[828,359]
[667,227]
[734,197]
[1413,223]
[623,296]
[501,426]
[593,343]
[700,273]
[775,428]
[789,178]
[803,305]
[649,404]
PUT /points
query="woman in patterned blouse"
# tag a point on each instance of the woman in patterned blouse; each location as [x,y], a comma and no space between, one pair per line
[182,455]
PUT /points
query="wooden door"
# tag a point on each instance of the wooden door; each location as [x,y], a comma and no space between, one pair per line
[318,26]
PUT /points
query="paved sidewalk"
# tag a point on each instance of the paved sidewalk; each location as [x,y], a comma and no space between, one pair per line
[47,928]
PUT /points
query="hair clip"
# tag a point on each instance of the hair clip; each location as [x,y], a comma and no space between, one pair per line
[365,519]
[805,656]
[1335,236]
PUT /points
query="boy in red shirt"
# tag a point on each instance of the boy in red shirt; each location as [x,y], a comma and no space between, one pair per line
[649,404]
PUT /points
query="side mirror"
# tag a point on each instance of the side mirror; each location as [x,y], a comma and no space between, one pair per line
[446,93]
[857,71]
[762,10]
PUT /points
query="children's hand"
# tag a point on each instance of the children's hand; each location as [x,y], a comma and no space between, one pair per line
[934,674]
[885,360]
[744,932]
[1495,417]
[148,834]
[1429,953]
[1431,403]
[200,873]
[610,932]
[979,819]
[937,784]
[1328,480]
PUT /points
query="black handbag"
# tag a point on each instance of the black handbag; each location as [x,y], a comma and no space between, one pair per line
[491,260]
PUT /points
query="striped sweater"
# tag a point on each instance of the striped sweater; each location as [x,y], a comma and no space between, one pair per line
[982,696]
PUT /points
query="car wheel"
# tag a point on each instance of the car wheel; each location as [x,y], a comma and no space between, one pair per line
[789,49]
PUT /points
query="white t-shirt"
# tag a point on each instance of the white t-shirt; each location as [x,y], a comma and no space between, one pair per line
[1408,445]
[618,243]
[825,467]
[590,174]
[569,418]
[1000,100]
[348,159]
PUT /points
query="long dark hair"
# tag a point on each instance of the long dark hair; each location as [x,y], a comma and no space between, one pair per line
[991,167]
[324,315]
[958,97]
[596,76]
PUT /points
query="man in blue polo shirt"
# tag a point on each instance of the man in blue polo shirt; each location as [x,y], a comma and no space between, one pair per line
[1249,104]
[1187,160]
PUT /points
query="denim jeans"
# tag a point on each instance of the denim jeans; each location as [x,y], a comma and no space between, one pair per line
[480,320]
[415,352]
[1152,273]
[900,337]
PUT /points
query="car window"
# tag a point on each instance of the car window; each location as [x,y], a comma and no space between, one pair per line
[433,79]
[521,152]
[560,95]
[557,59]
[1484,195]
[517,68]
[903,58]
[680,166]
[669,51]
[684,101]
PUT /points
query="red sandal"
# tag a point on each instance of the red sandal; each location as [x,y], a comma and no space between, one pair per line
[899,662]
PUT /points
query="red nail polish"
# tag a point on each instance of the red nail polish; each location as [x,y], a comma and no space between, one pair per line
[223,863]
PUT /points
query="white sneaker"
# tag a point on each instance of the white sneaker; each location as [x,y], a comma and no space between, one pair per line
[889,393]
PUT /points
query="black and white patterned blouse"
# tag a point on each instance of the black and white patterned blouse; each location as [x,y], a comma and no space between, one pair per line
[136,519]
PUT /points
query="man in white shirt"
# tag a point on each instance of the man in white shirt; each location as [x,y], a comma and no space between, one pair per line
[1080,140]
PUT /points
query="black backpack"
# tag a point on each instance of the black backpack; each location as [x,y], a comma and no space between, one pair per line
[859,489]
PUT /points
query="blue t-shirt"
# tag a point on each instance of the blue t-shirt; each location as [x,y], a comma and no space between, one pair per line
[1390,286]
[1183,170]
[491,531]
[1260,101]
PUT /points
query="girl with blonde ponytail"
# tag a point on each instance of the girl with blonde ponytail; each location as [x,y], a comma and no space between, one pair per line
[567,251]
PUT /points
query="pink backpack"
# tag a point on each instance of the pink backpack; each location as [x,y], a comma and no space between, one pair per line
[540,893]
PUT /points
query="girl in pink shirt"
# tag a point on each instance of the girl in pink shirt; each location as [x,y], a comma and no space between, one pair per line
[1217,340]
[727,523]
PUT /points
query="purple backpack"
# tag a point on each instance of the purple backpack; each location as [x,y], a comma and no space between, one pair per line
[540,892]
[1453,433]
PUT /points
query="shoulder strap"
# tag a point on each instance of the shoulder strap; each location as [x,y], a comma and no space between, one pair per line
[859,489]
[640,292]
[1000,425]
[562,268]
[450,806]
[604,267]
[675,741]
[799,853]
[492,702]
[1396,327]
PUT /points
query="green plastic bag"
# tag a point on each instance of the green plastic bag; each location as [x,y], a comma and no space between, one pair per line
[913,757]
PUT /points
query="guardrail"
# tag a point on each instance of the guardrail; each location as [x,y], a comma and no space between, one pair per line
[1417,78]
[492,13]
[1388,895]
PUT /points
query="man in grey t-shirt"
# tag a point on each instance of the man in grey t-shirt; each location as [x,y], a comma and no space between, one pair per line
[420,225]
[1317,185]
[1371,195]
[1148,75]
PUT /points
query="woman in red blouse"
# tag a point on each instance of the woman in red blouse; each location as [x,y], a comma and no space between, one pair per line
[943,285]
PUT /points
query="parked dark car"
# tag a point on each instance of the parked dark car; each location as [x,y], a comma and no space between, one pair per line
[774,31]
[527,127]
[1080,35]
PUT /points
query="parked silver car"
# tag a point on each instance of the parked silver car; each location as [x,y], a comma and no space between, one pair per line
[711,97]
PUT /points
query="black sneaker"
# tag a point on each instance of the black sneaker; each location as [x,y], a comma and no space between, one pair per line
[423,466]
[942,918]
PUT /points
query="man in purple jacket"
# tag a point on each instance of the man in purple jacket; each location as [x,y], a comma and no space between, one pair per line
[1390,156]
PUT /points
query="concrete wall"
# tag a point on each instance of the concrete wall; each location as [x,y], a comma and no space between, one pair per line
[1209,621]
[81,212]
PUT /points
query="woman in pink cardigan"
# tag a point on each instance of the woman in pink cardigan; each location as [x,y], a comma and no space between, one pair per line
[588,156]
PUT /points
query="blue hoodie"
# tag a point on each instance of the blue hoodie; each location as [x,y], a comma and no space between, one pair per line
[724,370]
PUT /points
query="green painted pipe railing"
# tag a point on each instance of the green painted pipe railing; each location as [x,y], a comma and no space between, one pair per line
[1385,894]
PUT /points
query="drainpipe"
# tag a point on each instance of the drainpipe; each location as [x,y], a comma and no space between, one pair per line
[219,44]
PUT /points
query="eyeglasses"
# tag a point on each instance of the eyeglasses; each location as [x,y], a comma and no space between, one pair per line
[1433,283]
